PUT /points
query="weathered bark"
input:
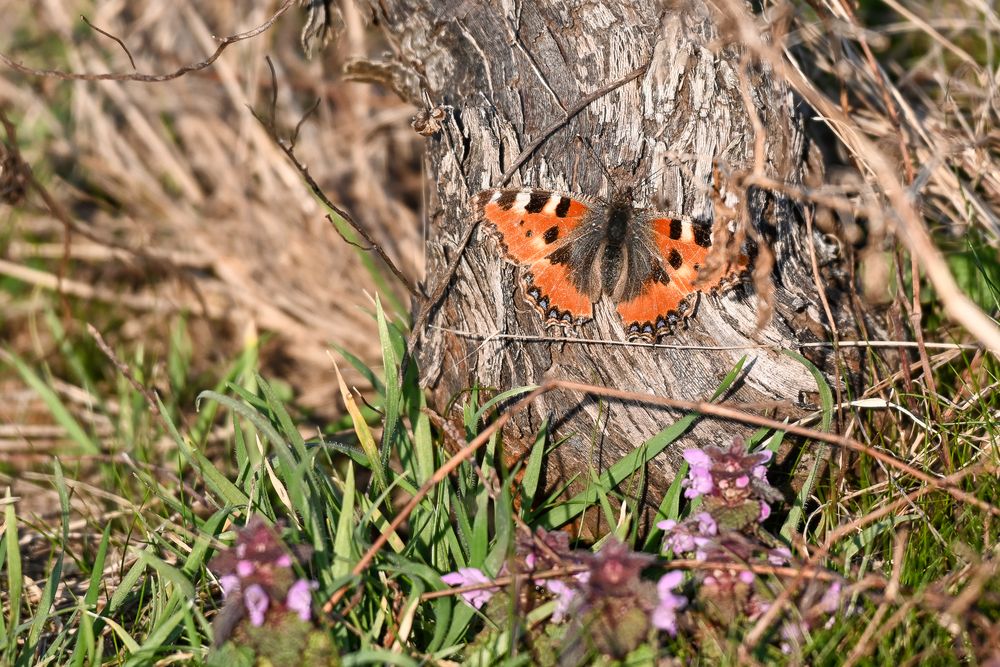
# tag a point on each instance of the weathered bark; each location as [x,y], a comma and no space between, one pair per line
[509,71]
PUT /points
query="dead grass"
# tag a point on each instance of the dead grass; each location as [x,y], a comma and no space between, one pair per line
[182,200]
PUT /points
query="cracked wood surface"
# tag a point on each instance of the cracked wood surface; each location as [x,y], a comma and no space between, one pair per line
[509,70]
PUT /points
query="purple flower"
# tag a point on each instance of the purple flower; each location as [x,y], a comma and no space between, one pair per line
[229,583]
[299,598]
[726,473]
[779,556]
[664,616]
[470,576]
[830,601]
[256,601]
[765,511]
[245,568]
[564,596]
[677,538]
[615,568]
[696,457]
[690,535]
[706,524]
[763,456]
[699,481]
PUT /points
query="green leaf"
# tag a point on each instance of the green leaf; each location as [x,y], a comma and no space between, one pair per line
[499,398]
[89,630]
[670,507]
[162,632]
[55,576]
[168,572]
[825,394]
[125,586]
[393,399]
[365,437]
[362,369]
[215,480]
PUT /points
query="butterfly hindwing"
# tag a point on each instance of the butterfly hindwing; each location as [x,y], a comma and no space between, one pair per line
[665,300]
[550,291]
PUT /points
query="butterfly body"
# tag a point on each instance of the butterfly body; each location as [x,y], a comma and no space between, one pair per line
[575,250]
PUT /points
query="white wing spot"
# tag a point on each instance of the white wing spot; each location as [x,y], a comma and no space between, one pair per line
[551,204]
[521,201]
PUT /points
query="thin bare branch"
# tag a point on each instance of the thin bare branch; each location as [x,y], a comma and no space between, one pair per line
[151,78]
[110,36]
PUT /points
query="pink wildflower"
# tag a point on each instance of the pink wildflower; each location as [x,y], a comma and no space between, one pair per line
[470,576]
[299,598]
[256,600]
[664,616]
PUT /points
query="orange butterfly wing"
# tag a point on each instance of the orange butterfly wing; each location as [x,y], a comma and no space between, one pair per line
[666,298]
[532,225]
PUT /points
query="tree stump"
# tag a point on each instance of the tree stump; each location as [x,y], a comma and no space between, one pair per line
[508,73]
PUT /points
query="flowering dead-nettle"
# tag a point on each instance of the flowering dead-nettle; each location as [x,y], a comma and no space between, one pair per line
[471,576]
[616,607]
[536,552]
[690,536]
[257,579]
[609,603]
[733,483]
[542,550]
[664,616]
[615,568]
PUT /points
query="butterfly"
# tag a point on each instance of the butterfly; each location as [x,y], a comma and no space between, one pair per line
[575,249]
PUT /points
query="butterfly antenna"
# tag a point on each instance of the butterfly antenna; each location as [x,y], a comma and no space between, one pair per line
[597,158]
[653,175]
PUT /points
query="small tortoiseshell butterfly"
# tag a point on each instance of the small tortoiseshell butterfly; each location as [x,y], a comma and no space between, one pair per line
[574,249]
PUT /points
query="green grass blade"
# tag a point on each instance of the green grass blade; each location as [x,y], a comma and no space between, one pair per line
[533,471]
[125,586]
[15,579]
[59,411]
[499,398]
[241,368]
[393,399]
[167,572]
[364,433]
[277,408]
[163,631]
[209,532]
[825,393]
[55,576]
[215,480]
[361,368]
[343,541]
[131,645]
[85,648]
[670,507]
[795,514]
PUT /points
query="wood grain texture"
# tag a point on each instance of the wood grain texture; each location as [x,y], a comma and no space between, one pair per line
[510,70]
